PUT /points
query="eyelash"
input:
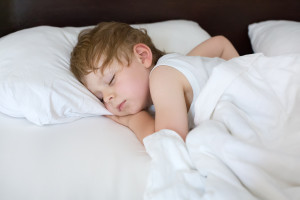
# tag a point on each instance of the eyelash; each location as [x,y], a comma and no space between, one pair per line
[112,79]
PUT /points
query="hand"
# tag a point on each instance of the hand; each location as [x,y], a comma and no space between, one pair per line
[128,120]
[141,123]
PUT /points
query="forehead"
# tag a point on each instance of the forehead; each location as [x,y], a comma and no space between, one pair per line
[92,78]
[113,65]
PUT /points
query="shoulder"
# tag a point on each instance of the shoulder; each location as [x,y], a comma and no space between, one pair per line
[164,75]
[166,67]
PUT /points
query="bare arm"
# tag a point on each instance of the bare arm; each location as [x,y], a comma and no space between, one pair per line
[217,46]
[167,92]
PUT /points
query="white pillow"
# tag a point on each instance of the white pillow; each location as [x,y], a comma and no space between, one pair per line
[175,35]
[275,37]
[35,80]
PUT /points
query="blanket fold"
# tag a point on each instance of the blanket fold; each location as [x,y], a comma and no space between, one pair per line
[246,141]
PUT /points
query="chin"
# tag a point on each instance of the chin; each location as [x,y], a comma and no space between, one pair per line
[132,112]
[121,114]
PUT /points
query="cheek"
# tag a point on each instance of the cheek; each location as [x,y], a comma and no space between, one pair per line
[110,109]
[124,89]
[133,85]
[139,88]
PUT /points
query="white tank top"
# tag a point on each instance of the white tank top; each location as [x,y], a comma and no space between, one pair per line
[196,69]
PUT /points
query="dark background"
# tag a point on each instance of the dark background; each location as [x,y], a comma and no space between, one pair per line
[226,17]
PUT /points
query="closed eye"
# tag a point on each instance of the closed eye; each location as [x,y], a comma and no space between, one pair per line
[112,79]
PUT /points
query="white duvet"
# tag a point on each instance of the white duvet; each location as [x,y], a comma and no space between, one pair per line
[246,143]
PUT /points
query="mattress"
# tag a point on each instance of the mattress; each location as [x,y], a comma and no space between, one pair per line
[91,158]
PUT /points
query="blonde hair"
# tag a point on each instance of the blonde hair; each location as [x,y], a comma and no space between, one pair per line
[113,41]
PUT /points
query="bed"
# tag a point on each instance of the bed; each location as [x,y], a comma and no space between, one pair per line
[54,141]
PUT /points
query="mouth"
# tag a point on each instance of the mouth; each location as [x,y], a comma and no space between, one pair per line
[121,106]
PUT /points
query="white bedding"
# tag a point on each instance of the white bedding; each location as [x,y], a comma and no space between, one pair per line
[246,142]
[92,158]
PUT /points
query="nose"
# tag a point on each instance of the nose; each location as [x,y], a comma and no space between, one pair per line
[108,96]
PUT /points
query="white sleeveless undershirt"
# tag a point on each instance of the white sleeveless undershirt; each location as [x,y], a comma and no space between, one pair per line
[196,69]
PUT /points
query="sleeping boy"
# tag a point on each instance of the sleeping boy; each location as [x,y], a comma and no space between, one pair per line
[124,70]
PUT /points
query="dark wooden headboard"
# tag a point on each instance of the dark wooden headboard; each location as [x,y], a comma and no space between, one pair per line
[226,17]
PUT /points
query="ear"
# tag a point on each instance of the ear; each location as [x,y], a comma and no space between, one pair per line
[144,54]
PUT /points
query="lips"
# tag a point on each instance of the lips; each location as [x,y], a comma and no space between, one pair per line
[121,106]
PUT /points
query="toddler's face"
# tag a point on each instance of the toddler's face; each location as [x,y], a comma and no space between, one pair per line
[124,90]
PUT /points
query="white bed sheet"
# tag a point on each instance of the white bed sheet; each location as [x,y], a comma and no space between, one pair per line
[92,158]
